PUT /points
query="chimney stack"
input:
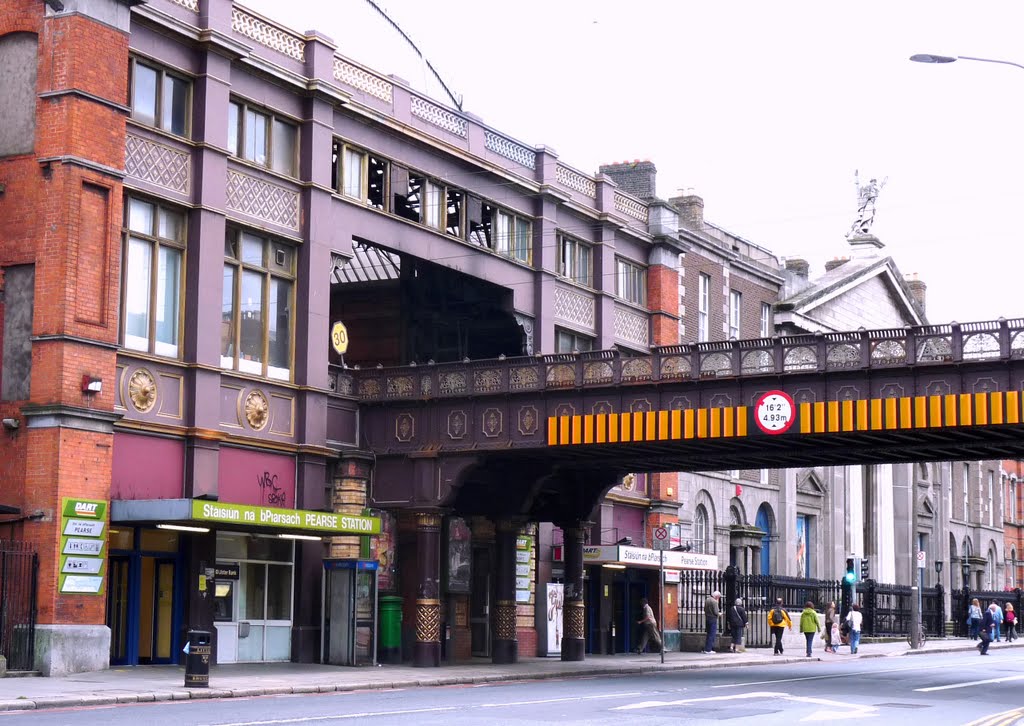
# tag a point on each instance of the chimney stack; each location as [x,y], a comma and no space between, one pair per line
[691,208]
[633,177]
[917,290]
[835,262]
[797,266]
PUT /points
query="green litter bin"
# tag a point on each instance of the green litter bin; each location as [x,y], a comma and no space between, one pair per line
[390,638]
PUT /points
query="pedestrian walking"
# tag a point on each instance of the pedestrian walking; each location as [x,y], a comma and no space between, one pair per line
[830,619]
[837,637]
[737,624]
[997,615]
[854,619]
[712,612]
[809,624]
[778,621]
[974,619]
[648,626]
[988,629]
[1011,623]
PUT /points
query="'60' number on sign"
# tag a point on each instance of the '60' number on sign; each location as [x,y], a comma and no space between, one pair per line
[774,412]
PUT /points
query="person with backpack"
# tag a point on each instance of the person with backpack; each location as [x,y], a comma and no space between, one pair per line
[854,620]
[778,621]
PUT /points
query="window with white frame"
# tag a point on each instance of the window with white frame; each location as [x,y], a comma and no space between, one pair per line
[766,320]
[735,305]
[990,498]
[566,341]
[703,305]
[966,468]
[258,302]
[262,138]
[575,260]
[154,251]
[630,282]
[700,530]
[160,99]
[1012,500]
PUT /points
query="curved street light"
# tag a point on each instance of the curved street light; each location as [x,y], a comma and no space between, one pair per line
[930,58]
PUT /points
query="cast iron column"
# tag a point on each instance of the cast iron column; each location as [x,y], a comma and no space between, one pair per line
[506,645]
[427,649]
[573,617]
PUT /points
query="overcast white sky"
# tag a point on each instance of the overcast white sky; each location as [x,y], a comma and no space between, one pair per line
[764,109]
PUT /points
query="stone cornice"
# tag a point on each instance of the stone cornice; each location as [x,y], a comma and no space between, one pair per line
[57,415]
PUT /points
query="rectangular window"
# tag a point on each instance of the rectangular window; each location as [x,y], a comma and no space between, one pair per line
[160,99]
[990,500]
[258,300]
[735,305]
[766,320]
[567,341]
[703,305]
[967,483]
[574,260]
[262,138]
[433,194]
[353,173]
[154,252]
[630,282]
[453,212]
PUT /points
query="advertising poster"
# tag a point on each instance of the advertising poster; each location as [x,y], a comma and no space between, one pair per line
[382,549]
[460,556]
[554,619]
[802,567]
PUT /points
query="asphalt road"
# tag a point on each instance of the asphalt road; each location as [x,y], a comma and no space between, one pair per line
[939,689]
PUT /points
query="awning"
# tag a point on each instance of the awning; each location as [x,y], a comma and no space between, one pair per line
[207,514]
[642,557]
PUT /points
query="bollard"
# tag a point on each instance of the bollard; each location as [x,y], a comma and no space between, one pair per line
[197,659]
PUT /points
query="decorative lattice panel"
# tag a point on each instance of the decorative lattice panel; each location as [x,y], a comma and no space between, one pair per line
[157,164]
[192,5]
[574,308]
[574,180]
[505,620]
[264,200]
[270,36]
[510,150]
[428,621]
[631,327]
[362,80]
[440,117]
[630,207]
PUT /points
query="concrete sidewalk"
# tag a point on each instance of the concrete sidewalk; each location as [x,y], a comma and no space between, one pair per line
[164,683]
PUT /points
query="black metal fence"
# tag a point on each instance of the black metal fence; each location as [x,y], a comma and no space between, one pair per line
[960,600]
[19,569]
[886,607]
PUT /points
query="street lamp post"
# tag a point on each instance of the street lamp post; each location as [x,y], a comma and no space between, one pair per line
[940,597]
[930,58]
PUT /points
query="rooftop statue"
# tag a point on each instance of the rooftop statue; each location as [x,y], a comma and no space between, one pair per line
[867,194]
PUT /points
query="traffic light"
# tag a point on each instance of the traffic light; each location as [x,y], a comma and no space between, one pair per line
[851,570]
[865,570]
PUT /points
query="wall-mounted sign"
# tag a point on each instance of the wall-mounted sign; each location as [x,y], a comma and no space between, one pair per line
[272,517]
[339,338]
[526,566]
[83,561]
[225,571]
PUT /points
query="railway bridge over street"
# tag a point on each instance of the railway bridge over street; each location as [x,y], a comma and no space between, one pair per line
[544,438]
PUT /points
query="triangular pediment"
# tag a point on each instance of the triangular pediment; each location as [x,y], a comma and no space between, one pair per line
[811,485]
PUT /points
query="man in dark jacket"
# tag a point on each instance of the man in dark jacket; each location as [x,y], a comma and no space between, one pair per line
[711,615]
[988,627]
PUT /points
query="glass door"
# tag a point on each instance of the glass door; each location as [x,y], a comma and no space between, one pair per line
[480,603]
[156,611]
[118,609]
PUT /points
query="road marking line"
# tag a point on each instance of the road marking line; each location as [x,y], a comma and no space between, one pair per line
[852,710]
[999,719]
[968,684]
[439,709]
[557,700]
[339,717]
[839,675]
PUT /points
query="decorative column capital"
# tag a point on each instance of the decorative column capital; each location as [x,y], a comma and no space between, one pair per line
[428,520]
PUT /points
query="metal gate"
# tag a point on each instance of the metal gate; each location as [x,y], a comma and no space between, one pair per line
[19,567]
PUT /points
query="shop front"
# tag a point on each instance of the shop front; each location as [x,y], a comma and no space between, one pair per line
[617,578]
[231,568]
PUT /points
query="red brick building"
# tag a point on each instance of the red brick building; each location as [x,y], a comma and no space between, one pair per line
[1013,522]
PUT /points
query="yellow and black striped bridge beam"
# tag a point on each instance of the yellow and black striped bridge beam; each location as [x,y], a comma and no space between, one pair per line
[951,411]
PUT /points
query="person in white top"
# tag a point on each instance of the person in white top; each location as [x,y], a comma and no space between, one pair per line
[854,619]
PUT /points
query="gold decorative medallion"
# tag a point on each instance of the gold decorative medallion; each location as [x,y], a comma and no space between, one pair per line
[142,390]
[257,410]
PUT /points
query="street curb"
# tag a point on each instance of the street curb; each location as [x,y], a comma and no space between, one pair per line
[27,704]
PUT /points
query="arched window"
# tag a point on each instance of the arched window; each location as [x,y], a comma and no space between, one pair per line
[700,529]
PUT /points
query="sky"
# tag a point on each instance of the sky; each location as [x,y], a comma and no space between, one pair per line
[764,109]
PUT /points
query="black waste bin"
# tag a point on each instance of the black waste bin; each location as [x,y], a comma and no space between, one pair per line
[197,659]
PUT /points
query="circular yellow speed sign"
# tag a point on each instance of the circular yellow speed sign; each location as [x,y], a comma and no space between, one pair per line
[339,338]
